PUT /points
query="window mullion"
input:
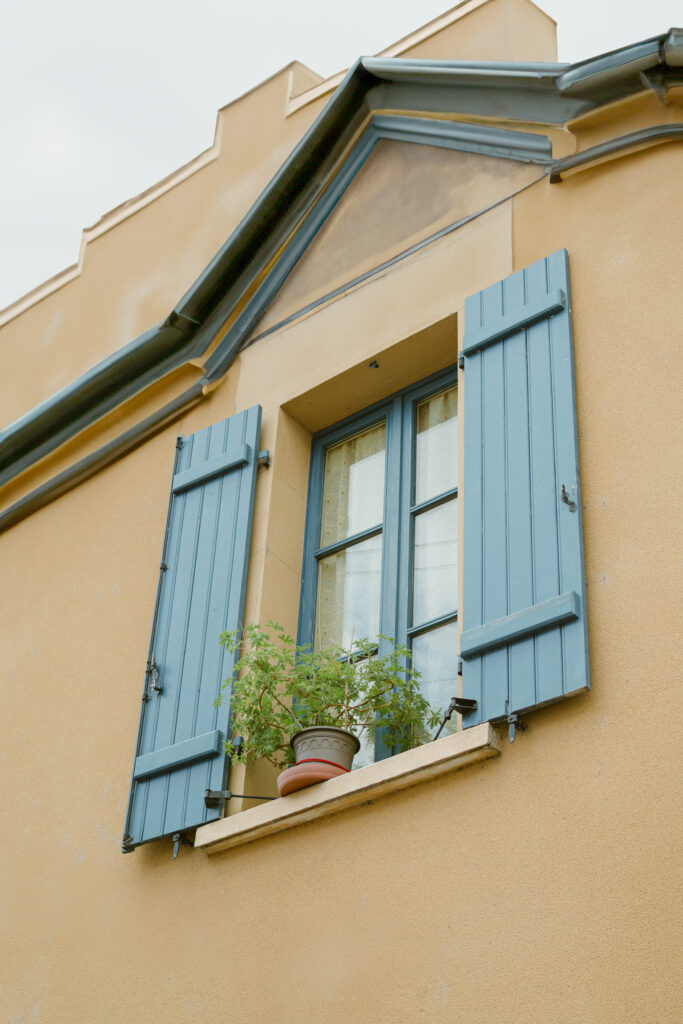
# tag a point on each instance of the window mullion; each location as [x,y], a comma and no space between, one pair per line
[348,542]
[405,561]
[309,581]
[390,550]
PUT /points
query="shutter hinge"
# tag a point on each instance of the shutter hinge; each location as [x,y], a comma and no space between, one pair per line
[461,360]
[263,457]
[463,705]
[153,671]
[179,443]
[163,567]
[215,797]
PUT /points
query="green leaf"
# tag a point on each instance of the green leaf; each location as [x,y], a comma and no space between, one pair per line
[279,687]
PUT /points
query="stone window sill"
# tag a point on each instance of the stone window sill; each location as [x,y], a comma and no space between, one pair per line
[365,784]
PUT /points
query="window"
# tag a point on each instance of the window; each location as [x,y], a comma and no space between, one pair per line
[381,552]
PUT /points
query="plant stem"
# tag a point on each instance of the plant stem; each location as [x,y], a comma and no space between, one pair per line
[285,708]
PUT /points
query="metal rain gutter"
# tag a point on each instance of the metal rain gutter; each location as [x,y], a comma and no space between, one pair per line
[102,457]
[192,325]
[672,48]
[613,66]
[297,174]
[632,140]
[628,61]
[167,345]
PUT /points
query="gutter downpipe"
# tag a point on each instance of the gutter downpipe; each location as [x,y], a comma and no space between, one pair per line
[672,48]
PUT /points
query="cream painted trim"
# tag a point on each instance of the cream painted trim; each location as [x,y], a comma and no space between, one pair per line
[359,787]
[295,103]
[460,10]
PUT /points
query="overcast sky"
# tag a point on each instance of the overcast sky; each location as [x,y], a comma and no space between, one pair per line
[102,99]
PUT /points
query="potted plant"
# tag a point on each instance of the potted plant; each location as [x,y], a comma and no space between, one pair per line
[305,710]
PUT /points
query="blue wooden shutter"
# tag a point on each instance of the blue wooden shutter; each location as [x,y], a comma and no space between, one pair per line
[202,582]
[524,640]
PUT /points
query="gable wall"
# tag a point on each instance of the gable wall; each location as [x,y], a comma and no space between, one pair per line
[134,274]
[535,887]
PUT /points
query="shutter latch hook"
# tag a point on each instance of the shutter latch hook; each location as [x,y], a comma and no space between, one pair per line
[515,723]
[178,838]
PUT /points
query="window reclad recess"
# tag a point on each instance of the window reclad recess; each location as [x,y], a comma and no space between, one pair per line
[524,640]
[201,592]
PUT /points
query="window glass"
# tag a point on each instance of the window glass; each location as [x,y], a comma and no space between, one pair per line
[436,445]
[353,485]
[403,574]
[435,562]
[435,658]
[349,594]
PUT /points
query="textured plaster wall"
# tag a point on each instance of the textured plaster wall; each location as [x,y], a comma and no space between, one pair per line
[134,274]
[538,887]
[401,195]
[497,30]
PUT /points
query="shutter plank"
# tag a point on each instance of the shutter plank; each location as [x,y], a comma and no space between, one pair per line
[179,753]
[524,640]
[495,663]
[524,623]
[521,655]
[170,655]
[570,526]
[544,487]
[212,467]
[208,446]
[224,603]
[473,508]
[495,328]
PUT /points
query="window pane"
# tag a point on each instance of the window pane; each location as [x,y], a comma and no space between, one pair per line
[436,445]
[366,753]
[353,485]
[435,657]
[435,562]
[348,594]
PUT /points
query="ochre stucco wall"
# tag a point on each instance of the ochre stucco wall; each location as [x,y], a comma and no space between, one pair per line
[134,274]
[537,887]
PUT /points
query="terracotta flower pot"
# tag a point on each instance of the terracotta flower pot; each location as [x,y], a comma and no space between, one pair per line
[322,752]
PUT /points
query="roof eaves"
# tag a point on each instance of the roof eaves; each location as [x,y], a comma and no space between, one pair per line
[553,92]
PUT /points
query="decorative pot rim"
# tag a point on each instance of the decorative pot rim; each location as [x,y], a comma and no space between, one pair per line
[325,729]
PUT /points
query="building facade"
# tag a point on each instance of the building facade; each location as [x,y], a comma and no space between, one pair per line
[416,302]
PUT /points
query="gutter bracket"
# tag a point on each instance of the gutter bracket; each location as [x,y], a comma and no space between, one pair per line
[656,82]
